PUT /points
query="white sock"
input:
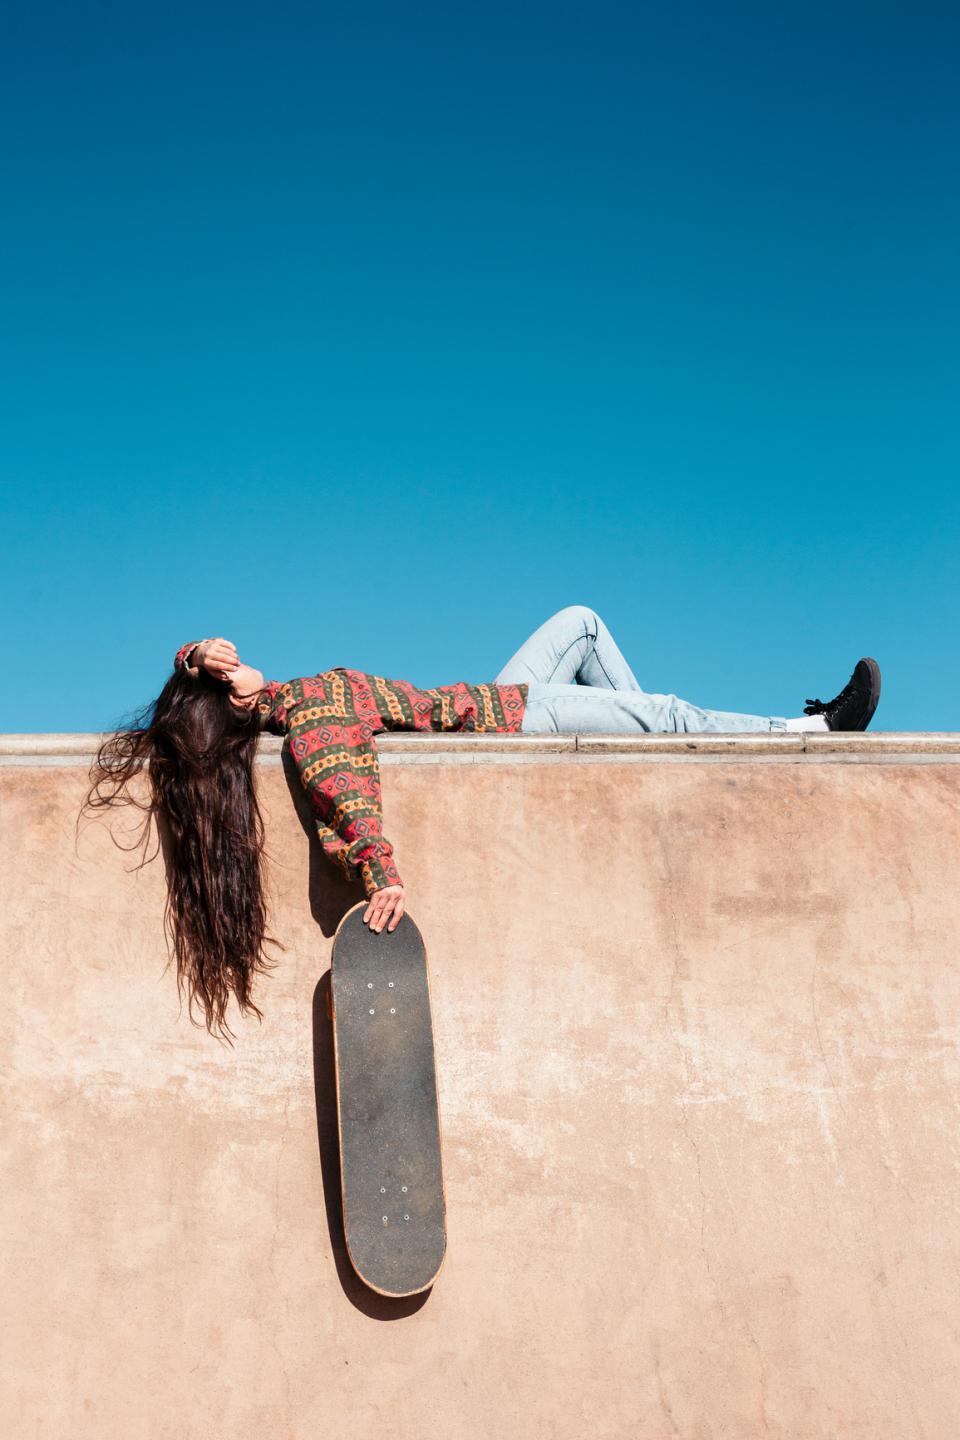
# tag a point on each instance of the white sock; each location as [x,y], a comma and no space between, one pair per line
[808,722]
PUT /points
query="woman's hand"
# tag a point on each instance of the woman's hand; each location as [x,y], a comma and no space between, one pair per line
[382,905]
[218,657]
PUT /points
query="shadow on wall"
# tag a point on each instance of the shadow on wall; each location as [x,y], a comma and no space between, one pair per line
[330,897]
[329,893]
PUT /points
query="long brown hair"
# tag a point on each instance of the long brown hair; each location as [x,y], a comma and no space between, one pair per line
[199,750]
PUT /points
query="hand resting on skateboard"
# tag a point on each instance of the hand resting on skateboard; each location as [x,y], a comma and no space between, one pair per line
[382,905]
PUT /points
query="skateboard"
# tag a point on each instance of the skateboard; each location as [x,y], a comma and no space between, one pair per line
[391,1172]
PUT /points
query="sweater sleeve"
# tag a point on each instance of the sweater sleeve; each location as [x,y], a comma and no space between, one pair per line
[339,769]
[183,654]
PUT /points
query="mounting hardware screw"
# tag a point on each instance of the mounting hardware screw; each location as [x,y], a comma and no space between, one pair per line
[369,984]
[404,1189]
[390,983]
[406,1217]
[372,1011]
[393,1009]
[383,1189]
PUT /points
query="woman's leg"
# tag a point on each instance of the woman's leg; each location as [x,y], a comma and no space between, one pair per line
[579,682]
[580,709]
[573,647]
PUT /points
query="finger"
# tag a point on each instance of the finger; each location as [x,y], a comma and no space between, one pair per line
[397,913]
[373,909]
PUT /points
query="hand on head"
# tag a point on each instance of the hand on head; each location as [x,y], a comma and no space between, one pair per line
[220,659]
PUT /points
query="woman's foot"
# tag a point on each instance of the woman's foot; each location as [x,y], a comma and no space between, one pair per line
[853,708]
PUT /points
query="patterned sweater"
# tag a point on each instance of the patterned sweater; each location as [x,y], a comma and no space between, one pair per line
[330,721]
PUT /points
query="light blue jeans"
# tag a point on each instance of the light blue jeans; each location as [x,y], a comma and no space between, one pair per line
[579,682]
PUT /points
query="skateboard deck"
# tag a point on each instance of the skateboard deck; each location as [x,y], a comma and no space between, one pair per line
[394,1210]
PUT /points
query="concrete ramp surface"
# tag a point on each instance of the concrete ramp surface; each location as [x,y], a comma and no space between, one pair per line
[697,1014]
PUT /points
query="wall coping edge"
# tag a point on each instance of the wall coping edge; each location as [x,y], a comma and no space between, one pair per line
[453,745]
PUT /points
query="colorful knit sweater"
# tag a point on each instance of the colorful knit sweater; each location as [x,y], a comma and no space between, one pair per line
[330,721]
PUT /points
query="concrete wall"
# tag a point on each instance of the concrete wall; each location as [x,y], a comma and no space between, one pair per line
[697,1013]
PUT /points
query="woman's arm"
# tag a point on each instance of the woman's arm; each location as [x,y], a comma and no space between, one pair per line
[339,768]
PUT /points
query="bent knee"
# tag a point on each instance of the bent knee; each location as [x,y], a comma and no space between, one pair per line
[581,618]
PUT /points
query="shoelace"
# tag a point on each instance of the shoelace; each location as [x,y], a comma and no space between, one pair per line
[817,707]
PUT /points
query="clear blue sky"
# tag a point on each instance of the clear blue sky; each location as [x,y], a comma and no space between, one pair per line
[371,335]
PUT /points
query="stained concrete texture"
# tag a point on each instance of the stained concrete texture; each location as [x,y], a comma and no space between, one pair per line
[697,1025]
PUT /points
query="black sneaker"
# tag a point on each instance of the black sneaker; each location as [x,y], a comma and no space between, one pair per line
[853,708]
